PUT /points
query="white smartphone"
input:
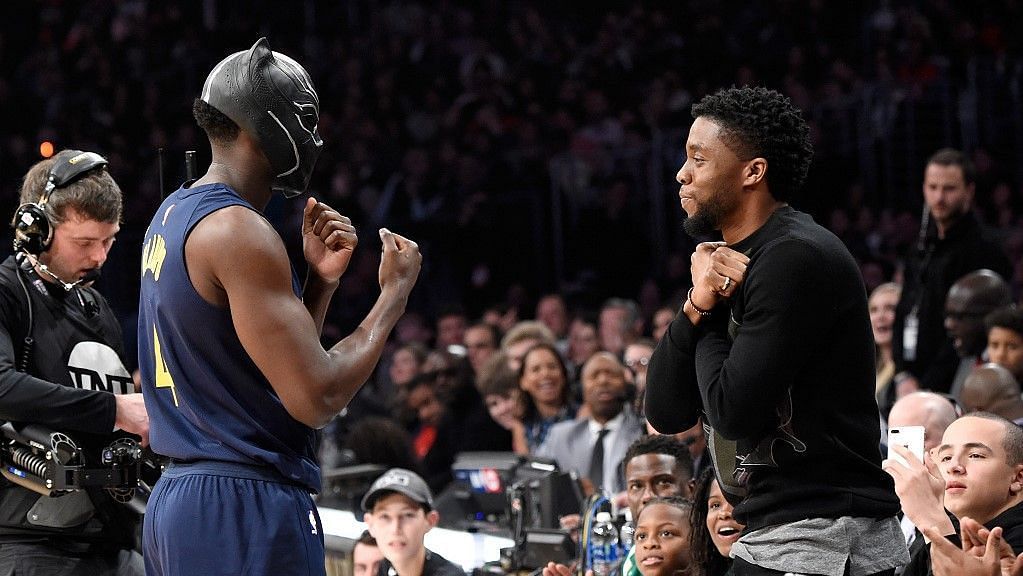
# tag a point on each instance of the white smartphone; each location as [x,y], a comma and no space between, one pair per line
[909,437]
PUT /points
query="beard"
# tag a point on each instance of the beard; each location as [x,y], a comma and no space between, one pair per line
[708,216]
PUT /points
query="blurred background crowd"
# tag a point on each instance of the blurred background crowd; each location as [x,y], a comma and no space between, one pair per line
[530,148]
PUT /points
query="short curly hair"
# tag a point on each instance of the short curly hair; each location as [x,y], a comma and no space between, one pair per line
[662,444]
[758,122]
[218,127]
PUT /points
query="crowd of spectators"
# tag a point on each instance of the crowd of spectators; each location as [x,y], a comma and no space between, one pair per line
[529,148]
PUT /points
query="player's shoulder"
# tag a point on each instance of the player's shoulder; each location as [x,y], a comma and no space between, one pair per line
[234,227]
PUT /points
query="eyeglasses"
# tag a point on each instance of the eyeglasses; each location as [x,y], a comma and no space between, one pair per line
[632,363]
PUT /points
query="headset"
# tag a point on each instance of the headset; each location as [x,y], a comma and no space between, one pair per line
[33,230]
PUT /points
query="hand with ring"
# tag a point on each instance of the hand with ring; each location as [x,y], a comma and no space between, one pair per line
[729,268]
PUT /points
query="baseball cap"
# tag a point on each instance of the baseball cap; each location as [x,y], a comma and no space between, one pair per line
[401,481]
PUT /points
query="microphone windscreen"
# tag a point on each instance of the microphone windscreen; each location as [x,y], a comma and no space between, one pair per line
[90,276]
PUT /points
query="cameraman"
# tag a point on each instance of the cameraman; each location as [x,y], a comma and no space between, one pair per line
[61,367]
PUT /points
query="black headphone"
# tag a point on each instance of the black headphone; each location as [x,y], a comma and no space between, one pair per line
[33,231]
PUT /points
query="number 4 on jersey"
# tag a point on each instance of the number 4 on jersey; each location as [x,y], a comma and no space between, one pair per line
[163,376]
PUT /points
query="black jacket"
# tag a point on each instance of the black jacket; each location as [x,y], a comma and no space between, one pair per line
[1011,522]
[76,360]
[930,272]
[435,565]
[784,375]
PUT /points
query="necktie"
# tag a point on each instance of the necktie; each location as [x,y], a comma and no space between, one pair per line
[597,461]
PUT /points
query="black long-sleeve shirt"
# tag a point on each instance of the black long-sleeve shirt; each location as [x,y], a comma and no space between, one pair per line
[46,393]
[928,277]
[75,363]
[785,370]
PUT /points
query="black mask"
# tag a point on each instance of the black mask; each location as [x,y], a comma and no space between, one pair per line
[272,97]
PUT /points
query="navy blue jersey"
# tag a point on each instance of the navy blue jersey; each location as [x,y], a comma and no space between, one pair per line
[206,398]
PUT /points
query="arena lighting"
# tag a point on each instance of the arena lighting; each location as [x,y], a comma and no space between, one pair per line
[46,148]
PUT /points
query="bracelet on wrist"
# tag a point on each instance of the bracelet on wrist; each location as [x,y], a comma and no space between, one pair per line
[700,311]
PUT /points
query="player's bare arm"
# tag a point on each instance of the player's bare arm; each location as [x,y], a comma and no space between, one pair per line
[236,259]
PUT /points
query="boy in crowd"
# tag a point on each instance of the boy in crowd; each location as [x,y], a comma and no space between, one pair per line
[1005,339]
[399,512]
[980,459]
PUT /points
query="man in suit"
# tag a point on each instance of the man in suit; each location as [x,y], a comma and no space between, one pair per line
[594,446]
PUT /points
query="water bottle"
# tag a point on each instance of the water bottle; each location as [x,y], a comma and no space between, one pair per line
[603,545]
[627,533]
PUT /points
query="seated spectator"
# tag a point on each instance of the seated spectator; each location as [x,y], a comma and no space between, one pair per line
[399,512]
[595,446]
[620,325]
[406,363]
[552,312]
[378,440]
[992,388]
[980,460]
[481,341]
[656,466]
[636,358]
[503,398]
[544,379]
[522,337]
[473,428]
[714,530]
[434,437]
[881,305]
[582,343]
[968,301]
[366,555]
[451,324]
[934,412]
[1005,339]
[662,537]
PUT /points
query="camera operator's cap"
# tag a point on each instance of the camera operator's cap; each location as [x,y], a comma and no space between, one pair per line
[401,481]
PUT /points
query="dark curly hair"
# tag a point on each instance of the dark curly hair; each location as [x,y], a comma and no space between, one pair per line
[705,558]
[662,444]
[1008,317]
[215,123]
[757,122]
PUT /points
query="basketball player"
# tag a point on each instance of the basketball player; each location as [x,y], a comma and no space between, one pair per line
[233,371]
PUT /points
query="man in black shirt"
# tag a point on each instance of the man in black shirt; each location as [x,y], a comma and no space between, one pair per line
[952,244]
[61,367]
[773,349]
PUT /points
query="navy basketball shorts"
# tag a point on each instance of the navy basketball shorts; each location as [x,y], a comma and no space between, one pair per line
[222,518]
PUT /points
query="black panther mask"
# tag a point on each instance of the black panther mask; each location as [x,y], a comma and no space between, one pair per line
[272,97]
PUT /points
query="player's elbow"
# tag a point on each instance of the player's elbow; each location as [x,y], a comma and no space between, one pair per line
[313,411]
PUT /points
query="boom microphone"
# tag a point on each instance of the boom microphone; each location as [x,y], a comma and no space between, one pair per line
[90,276]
